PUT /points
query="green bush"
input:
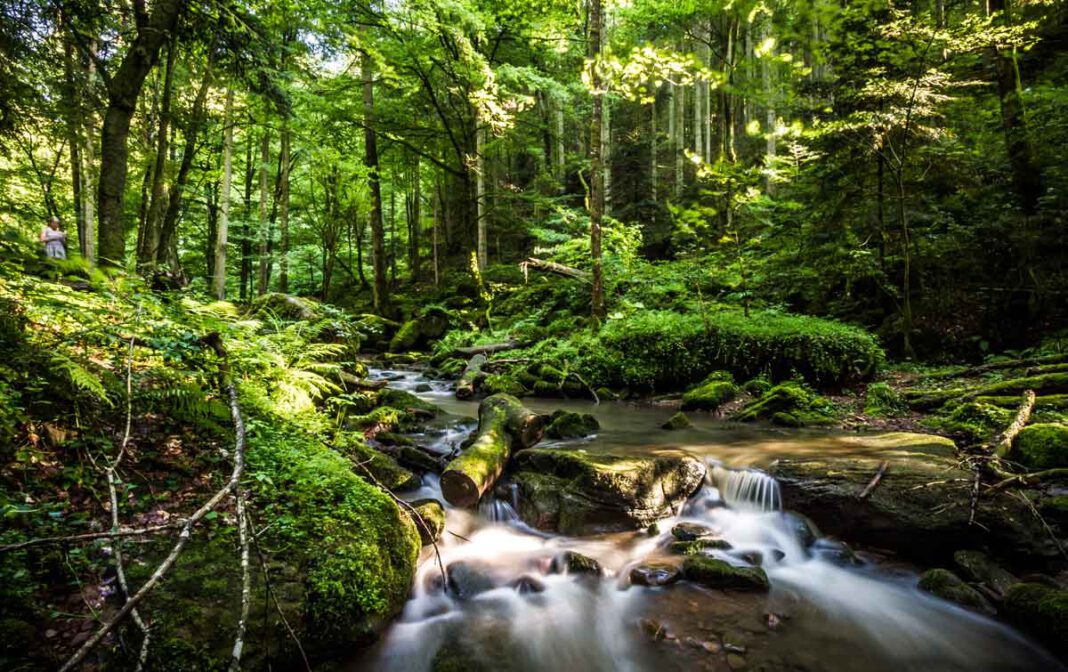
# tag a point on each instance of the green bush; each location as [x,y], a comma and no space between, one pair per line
[663,350]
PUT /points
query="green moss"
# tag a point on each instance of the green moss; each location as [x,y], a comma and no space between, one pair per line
[499,383]
[789,404]
[714,573]
[757,386]
[405,401]
[883,401]
[948,586]
[973,420]
[1048,382]
[1043,446]
[677,421]
[697,546]
[1041,611]
[566,425]
[452,367]
[551,374]
[709,395]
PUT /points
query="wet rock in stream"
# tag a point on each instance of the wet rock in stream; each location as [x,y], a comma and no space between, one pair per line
[948,586]
[431,521]
[691,531]
[579,493]
[920,507]
[467,579]
[570,562]
[655,574]
[713,573]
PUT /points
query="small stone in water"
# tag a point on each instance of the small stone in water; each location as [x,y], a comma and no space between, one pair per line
[423,387]
[690,531]
[735,661]
[655,574]
[528,584]
[653,628]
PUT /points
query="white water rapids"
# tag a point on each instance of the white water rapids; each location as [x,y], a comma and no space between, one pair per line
[830,611]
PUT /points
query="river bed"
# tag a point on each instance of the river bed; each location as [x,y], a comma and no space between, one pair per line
[829,609]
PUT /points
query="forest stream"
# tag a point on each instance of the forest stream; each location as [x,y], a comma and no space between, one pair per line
[829,607]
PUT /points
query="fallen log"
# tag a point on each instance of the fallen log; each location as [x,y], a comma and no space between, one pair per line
[360,383]
[1023,414]
[488,349]
[469,379]
[504,425]
[553,267]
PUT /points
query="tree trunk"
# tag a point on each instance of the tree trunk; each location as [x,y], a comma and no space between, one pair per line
[770,149]
[470,378]
[246,239]
[417,196]
[148,247]
[168,231]
[1027,178]
[123,88]
[224,198]
[436,199]
[558,120]
[73,103]
[652,151]
[606,150]
[680,138]
[597,181]
[283,213]
[504,424]
[380,291]
[480,194]
[263,273]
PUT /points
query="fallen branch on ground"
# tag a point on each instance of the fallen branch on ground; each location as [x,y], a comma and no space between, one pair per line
[553,267]
[1023,414]
[488,349]
[875,480]
[92,536]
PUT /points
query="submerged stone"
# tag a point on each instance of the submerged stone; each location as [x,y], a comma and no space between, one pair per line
[655,574]
[677,421]
[467,579]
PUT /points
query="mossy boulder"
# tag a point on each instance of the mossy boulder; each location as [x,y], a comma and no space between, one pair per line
[788,404]
[709,395]
[578,493]
[571,562]
[501,383]
[972,421]
[1041,611]
[452,367]
[286,307]
[978,568]
[655,574]
[699,546]
[713,573]
[432,515]
[405,401]
[1042,446]
[919,508]
[567,425]
[676,422]
[421,331]
[948,586]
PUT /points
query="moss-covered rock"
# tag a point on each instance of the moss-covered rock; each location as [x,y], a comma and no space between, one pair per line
[405,401]
[948,586]
[713,573]
[883,401]
[567,425]
[789,404]
[655,574]
[676,422]
[1042,446]
[419,332]
[432,519]
[978,568]
[973,421]
[286,307]
[571,562]
[709,396]
[577,493]
[919,507]
[452,367]
[1041,611]
[501,383]
[698,546]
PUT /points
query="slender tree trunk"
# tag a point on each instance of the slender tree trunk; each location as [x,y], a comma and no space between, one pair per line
[224,197]
[263,271]
[770,118]
[148,247]
[698,111]
[417,196]
[436,199]
[168,231]
[1027,178]
[123,88]
[560,159]
[378,246]
[73,102]
[246,238]
[283,214]
[606,146]
[88,240]
[652,151]
[597,169]
[480,194]
[680,138]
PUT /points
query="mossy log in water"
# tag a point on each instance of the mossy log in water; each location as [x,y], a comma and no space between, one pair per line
[503,423]
[470,378]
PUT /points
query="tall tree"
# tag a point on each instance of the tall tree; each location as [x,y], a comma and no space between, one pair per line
[221,234]
[380,292]
[596,159]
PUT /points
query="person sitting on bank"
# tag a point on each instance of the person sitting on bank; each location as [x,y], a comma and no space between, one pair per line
[54,240]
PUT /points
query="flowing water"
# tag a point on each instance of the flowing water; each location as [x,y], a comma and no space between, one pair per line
[829,609]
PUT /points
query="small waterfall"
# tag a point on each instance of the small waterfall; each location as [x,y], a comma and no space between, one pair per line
[748,489]
[497,510]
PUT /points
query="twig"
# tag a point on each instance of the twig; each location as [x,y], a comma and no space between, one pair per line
[459,536]
[1023,414]
[242,534]
[975,493]
[875,480]
[932,484]
[90,536]
[580,379]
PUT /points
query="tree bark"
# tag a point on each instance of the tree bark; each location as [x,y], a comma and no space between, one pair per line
[222,233]
[597,181]
[149,239]
[417,196]
[380,292]
[263,273]
[246,239]
[504,424]
[283,213]
[123,88]
[480,194]
[469,379]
